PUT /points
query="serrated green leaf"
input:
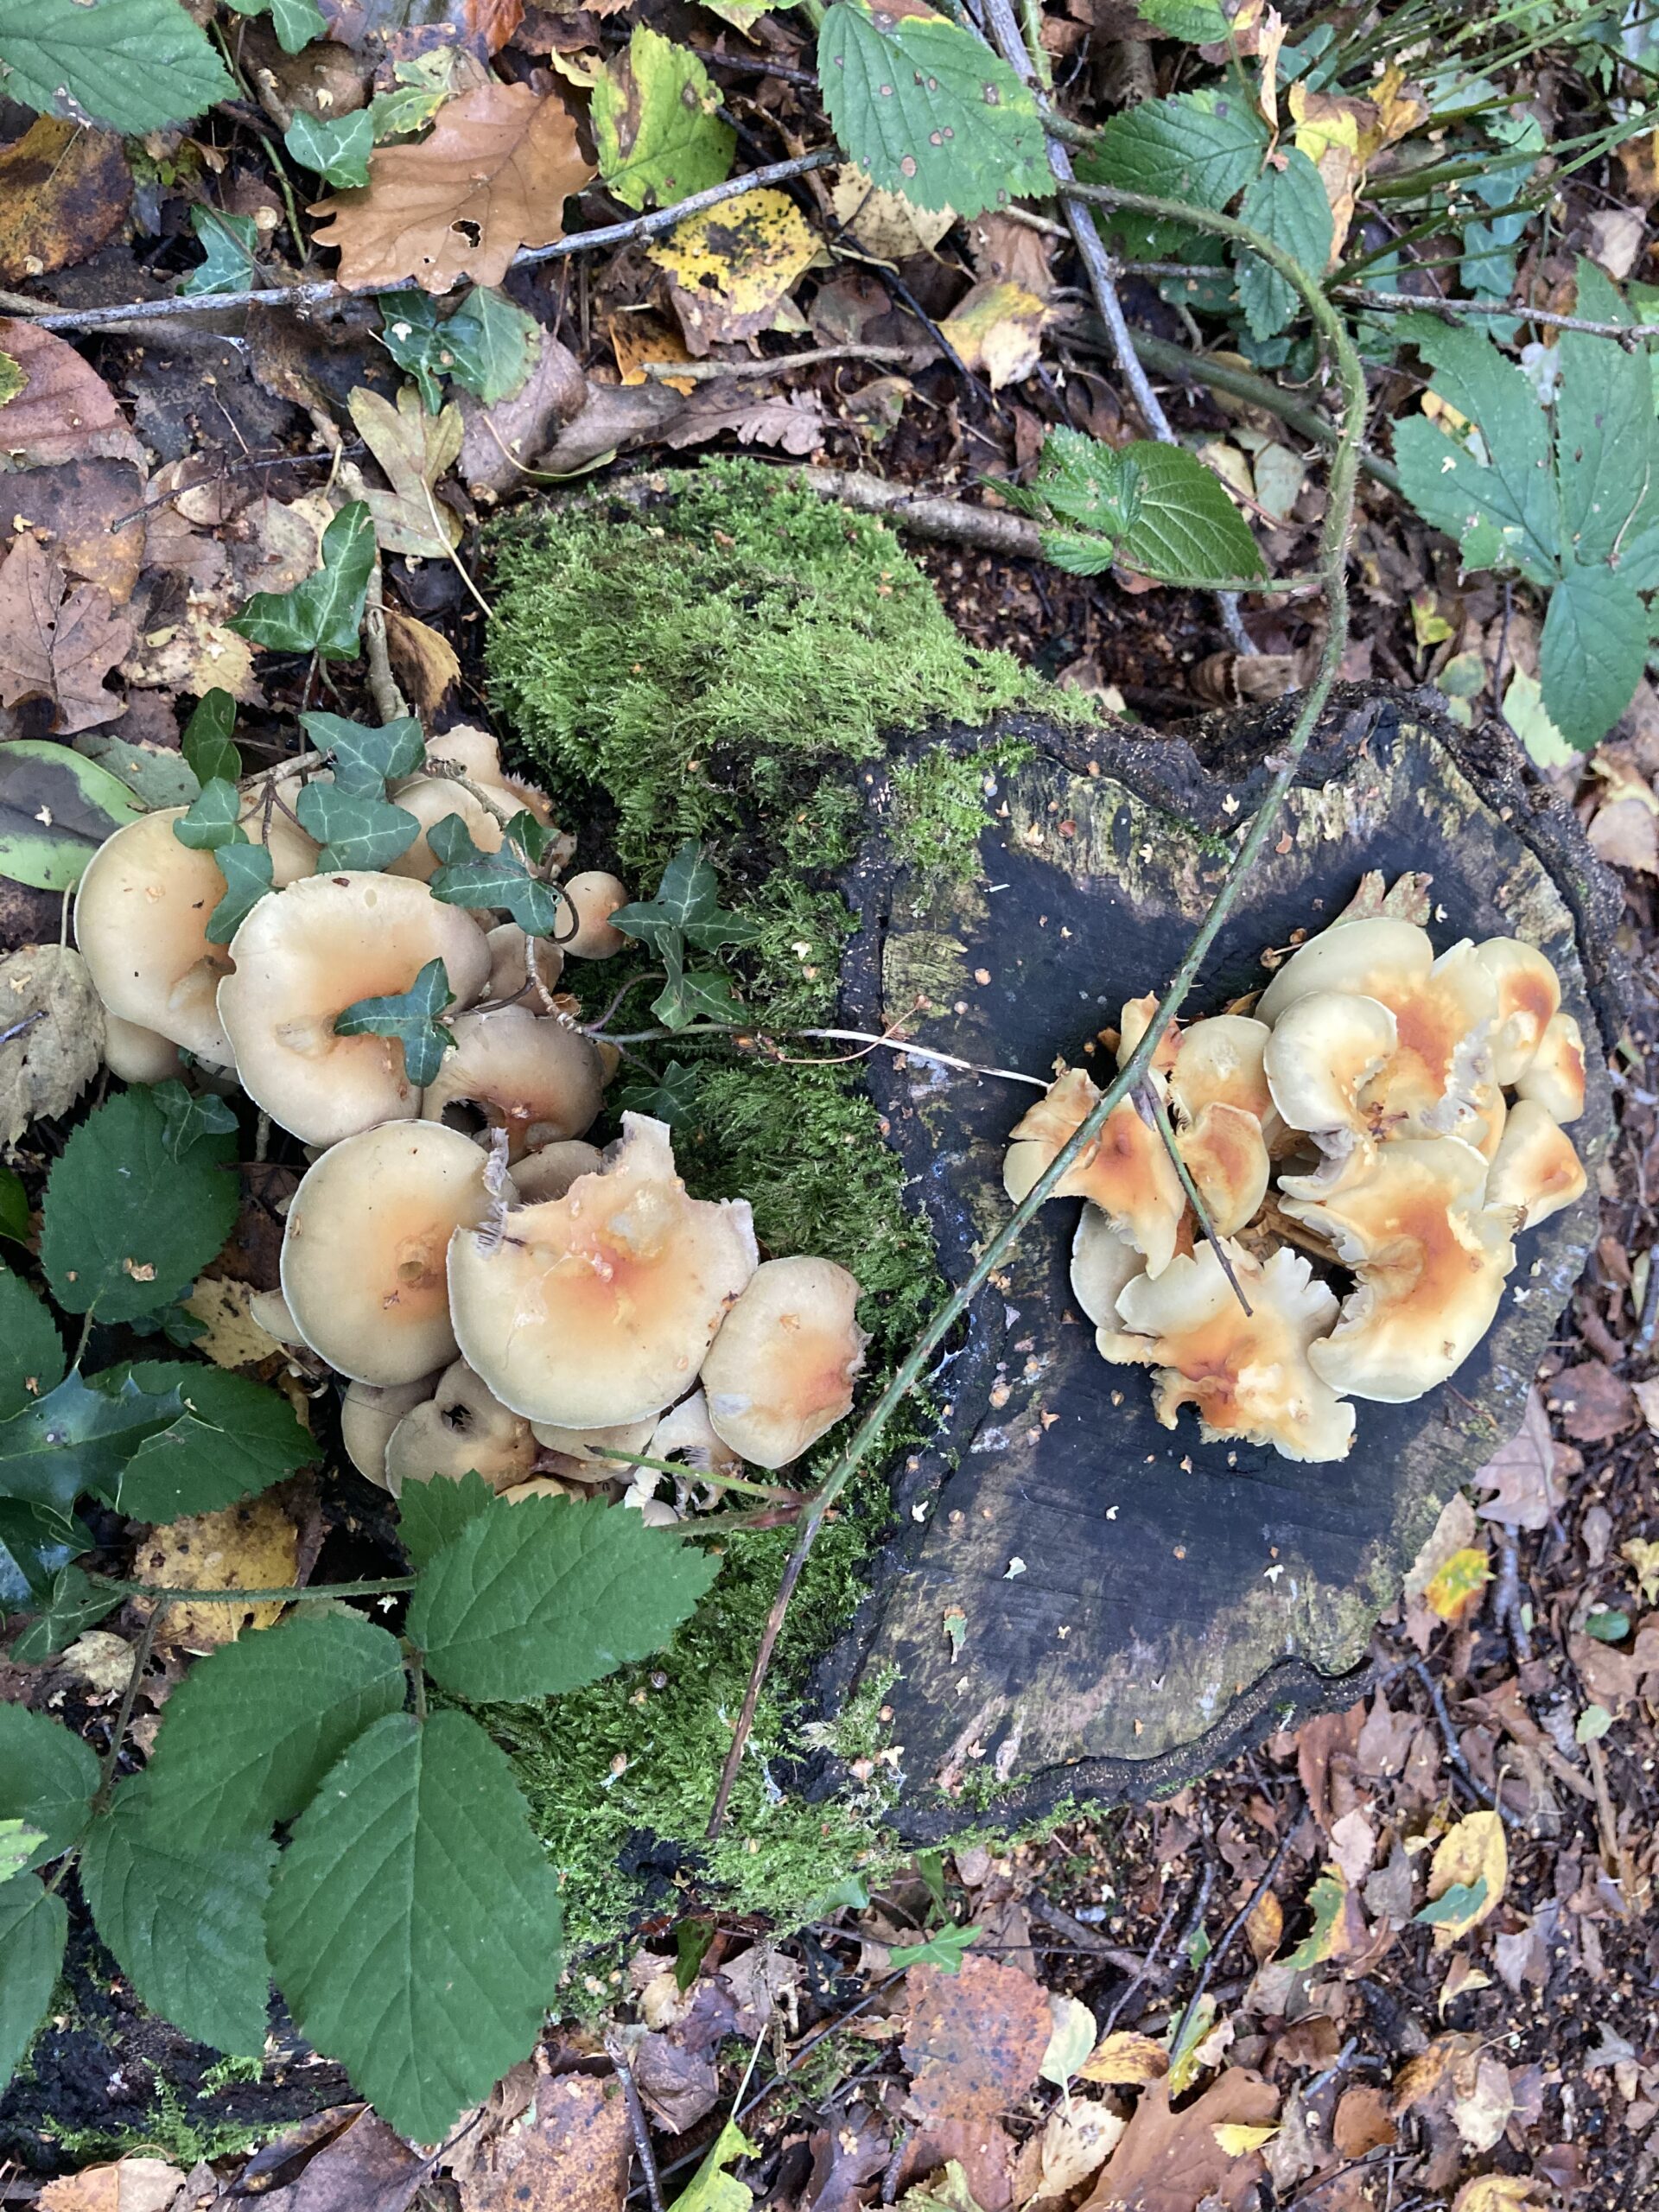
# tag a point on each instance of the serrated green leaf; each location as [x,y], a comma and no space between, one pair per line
[78,1437]
[354,831]
[134,65]
[1606,438]
[1197,22]
[411,1017]
[72,1602]
[250,1734]
[324,612]
[56,809]
[13,1208]
[33,1928]
[655,125]
[1513,491]
[248,871]
[36,1545]
[414,1924]
[550,1595]
[1288,207]
[186,1923]
[1204,148]
[212,819]
[493,345]
[227,244]
[18,1843]
[475,879]
[927,110]
[233,1438]
[365,759]
[430,1514]
[127,1227]
[1077,553]
[206,741]
[31,1352]
[1184,527]
[336,147]
[47,1780]
[1593,652]
[188,1117]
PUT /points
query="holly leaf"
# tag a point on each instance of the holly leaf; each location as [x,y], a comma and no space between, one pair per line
[1289,207]
[414,1924]
[927,110]
[46,1779]
[188,1118]
[134,65]
[212,819]
[31,1352]
[336,147]
[227,244]
[72,1602]
[471,878]
[655,124]
[1593,652]
[232,1438]
[324,612]
[207,741]
[79,1437]
[411,1017]
[354,831]
[33,1928]
[247,870]
[127,1227]
[1204,147]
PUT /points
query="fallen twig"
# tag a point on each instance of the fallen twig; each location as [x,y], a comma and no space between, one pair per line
[647,2157]
[1630,335]
[1153,1110]
[774,364]
[1467,1774]
[1213,1958]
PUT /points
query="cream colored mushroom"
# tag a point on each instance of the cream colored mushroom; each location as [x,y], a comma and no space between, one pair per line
[138,1055]
[509,965]
[582,1453]
[364,1243]
[781,1369]
[600,1306]
[1529,997]
[1534,1168]
[1321,1054]
[686,1433]
[1103,1263]
[141,921]
[522,1070]
[1248,1374]
[477,755]
[1220,1062]
[1430,1257]
[1353,956]
[549,1172]
[369,1413]
[1134,1021]
[1484,1126]
[1125,1169]
[461,1429]
[1224,1153]
[1554,1078]
[304,955]
[593,897]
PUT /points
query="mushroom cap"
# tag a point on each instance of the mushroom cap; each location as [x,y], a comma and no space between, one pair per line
[1534,1168]
[293,852]
[593,897]
[1484,1126]
[364,1243]
[141,911]
[1430,1256]
[686,1429]
[1320,1055]
[549,1172]
[1226,1155]
[509,965]
[1248,1375]
[522,1070]
[578,1447]
[368,1414]
[1528,998]
[136,1054]
[431,799]
[305,955]
[1554,1078]
[1220,1062]
[1349,956]
[1103,1263]
[1444,1023]
[1133,1023]
[461,1429]
[781,1369]
[600,1306]
[477,755]
[1125,1170]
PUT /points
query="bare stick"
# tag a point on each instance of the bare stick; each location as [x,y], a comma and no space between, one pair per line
[913,1052]
[389,701]
[1630,335]
[1153,1110]
[141,1654]
[619,2058]
[1214,1958]
[774,364]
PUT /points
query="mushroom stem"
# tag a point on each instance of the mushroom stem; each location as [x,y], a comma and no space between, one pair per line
[697,1474]
[1154,1110]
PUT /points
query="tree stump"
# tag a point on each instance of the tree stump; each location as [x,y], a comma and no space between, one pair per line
[1075,1604]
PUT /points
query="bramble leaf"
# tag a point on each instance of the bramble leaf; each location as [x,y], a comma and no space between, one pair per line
[655,125]
[1504,501]
[1155,508]
[134,65]
[232,1438]
[411,1016]
[33,1928]
[430,1514]
[1289,207]
[31,1352]
[324,611]
[1204,147]
[1606,436]
[1593,650]
[46,1779]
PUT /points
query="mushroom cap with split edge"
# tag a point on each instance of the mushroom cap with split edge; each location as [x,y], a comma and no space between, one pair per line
[600,1306]
[1125,1169]
[364,1247]
[301,958]
[1102,1263]
[1349,956]
[1555,1077]
[522,1070]
[1220,1062]
[1535,1168]
[1528,998]
[781,1369]
[1322,1052]
[1226,1155]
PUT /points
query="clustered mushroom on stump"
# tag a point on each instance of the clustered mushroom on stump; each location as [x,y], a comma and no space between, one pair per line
[1383,1114]
[498,1295]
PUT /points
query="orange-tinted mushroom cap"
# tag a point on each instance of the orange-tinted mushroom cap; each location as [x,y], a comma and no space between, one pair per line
[1125,1169]
[141,921]
[1133,1023]
[1528,998]
[1226,1156]
[1554,1078]
[1102,1263]
[523,1070]
[781,1369]
[1355,957]
[1534,1168]
[593,897]
[600,1306]
[461,1429]
[1221,1062]
[1322,1052]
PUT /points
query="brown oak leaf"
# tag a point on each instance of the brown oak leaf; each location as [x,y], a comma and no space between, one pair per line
[55,648]
[1168,2161]
[493,176]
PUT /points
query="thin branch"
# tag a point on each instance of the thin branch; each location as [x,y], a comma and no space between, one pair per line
[291,1595]
[619,2058]
[695,1474]
[389,701]
[871,1044]
[141,1656]
[1153,1110]
[1630,335]
[774,364]
[1214,1958]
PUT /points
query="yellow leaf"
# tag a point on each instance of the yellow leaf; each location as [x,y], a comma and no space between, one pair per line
[253,1546]
[234,1338]
[1455,1591]
[637,339]
[1125,2061]
[731,267]
[886,224]
[1264,1930]
[1397,111]
[1269,39]
[1473,1856]
[1238,2141]
[1644,1556]
[1495,2193]
[998,328]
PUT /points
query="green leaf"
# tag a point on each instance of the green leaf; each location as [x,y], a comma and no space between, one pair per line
[56,809]
[1606,438]
[160,774]
[214,819]
[322,614]
[703,995]
[1607,1624]
[1325,1899]
[671,1097]
[354,831]
[655,125]
[33,1928]
[365,759]
[79,1437]
[471,878]
[233,1439]
[251,1731]
[31,1352]
[189,1118]
[134,65]
[337,146]
[929,110]
[421,85]
[128,1227]
[493,345]
[1510,498]
[248,871]
[711,2189]
[1460,1905]
[415,1920]
[1204,148]
[1185,524]
[207,741]
[413,334]
[411,1016]
[687,906]
[429,1514]
[1288,207]
[184,1921]
[550,1595]
[18,1843]
[1592,653]
[47,1780]
[72,1602]
[13,1207]
[12,379]
[1197,22]
[227,243]
[943,1949]
[296,24]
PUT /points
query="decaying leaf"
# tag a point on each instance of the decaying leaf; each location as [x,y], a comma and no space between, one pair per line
[233,1338]
[493,176]
[1496,2193]
[64,191]
[731,267]
[73,509]
[888,226]
[415,450]
[1470,1871]
[1071,2041]
[1125,2060]
[500,441]
[998,328]
[47,998]
[1455,1592]
[423,659]
[568,2151]
[975,2041]
[1079,2139]
[253,1546]
[58,644]
[792,420]
[1169,2161]
[126,2185]
[1521,1474]
[64,412]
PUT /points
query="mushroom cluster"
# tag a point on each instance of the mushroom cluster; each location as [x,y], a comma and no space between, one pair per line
[1366,1141]
[498,1294]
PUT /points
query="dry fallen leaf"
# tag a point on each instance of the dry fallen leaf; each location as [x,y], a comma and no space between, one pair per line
[233,1338]
[493,176]
[46,1066]
[54,647]
[730,268]
[1077,2141]
[64,192]
[72,509]
[885,225]
[1496,2193]
[253,1546]
[1169,2161]
[99,1660]
[501,440]
[415,448]
[64,412]
[1482,2102]
[127,2185]
[1474,1858]
[424,661]
[974,2043]
[1522,1474]
[1455,1594]
[570,2151]
[793,421]
[1124,2060]
[998,327]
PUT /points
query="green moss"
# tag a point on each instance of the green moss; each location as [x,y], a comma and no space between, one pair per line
[170,2131]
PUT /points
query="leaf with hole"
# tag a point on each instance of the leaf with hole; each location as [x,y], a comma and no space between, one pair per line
[324,612]
[411,1017]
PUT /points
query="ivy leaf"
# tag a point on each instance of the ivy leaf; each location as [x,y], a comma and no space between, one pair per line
[1288,207]
[323,613]
[207,741]
[188,1118]
[1593,650]
[227,243]
[927,110]
[365,759]
[703,995]
[430,1514]
[471,878]
[943,1949]
[46,1779]
[415,1921]
[185,1922]
[79,1437]
[670,1097]
[31,1352]
[553,1594]
[1204,148]
[411,1016]
[687,906]
[212,819]
[250,1734]
[232,1439]
[354,831]
[33,1928]
[134,65]
[127,1227]
[297,23]
[493,345]
[336,147]
[247,870]
[412,333]
[73,1601]
[655,124]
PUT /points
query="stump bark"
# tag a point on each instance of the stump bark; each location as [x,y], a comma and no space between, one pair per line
[1075,1604]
